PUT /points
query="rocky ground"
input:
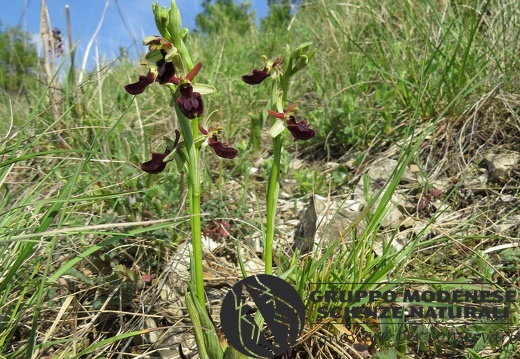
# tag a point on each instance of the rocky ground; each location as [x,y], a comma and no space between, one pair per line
[465,176]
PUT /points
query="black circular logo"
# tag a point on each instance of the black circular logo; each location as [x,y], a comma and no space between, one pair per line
[281,307]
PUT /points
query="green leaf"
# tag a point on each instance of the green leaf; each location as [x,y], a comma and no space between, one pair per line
[206,335]
[203,89]
[232,353]
[473,354]
[195,320]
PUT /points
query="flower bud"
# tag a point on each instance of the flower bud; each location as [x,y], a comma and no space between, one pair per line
[300,50]
[184,34]
[161,20]
[174,24]
[301,62]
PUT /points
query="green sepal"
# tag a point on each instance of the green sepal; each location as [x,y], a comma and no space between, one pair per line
[170,55]
[181,160]
[274,73]
[203,89]
[277,128]
[207,118]
[311,54]
[200,141]
[303,60]
[169,142]
[149,39]
[153,56]
[171,156]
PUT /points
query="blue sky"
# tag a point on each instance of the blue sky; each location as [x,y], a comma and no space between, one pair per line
[86,15]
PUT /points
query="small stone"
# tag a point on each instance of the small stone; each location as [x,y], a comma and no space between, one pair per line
[153,336]
[296,164]
[408,222]
[504,161]
[253,266]
[507,198]
[414,168]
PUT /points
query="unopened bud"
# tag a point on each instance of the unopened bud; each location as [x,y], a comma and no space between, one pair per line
[301,62]
[300,50]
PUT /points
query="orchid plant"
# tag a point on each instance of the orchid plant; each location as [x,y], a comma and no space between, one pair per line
[283,117]
[169,63]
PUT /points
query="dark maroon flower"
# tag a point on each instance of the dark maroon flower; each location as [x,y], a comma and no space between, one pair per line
[256,77]
[190,102]
[57,42]
[300,130]
[165,70]
[260,75]
[222,149]
[156,164]
[138,87]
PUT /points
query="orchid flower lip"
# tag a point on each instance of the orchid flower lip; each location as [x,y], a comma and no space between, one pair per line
[138,87]
[156,164]
[163,72]
[221,149]
[190,102]
[256,77]
[300,130]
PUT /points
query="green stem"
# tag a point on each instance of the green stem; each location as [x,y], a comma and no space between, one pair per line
[273,187]
[194,201]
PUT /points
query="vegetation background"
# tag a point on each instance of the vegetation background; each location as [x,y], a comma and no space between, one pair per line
[86,237]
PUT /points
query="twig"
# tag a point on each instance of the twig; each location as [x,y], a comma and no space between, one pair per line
[87,51]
